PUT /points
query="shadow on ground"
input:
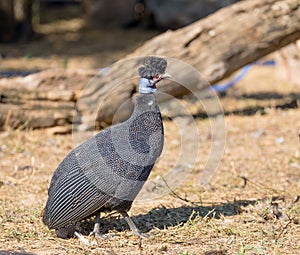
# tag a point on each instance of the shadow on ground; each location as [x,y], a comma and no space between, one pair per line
[163,218]
[15,253]
[263,101]
[268,95]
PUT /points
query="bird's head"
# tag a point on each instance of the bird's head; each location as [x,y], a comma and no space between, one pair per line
[151,72]
[148,85]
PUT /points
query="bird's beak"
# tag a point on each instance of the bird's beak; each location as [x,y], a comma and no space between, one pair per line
[165,76]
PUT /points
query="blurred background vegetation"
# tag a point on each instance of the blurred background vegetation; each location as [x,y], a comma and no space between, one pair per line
[19,17]
[42,34]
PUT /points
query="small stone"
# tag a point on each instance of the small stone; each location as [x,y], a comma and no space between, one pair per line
[280,140]
[212,33]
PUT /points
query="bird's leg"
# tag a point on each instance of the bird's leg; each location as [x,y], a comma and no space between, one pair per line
[96,230]
[133,227]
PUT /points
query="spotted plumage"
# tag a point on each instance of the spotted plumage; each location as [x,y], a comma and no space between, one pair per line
[106,172]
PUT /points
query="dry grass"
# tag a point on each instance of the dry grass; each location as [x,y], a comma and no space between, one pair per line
[250,205]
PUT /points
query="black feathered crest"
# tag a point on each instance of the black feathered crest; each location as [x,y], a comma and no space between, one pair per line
[152,66]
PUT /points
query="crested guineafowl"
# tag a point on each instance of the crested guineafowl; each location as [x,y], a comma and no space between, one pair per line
[106,172]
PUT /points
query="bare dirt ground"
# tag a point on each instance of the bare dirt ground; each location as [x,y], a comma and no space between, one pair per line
[250,206]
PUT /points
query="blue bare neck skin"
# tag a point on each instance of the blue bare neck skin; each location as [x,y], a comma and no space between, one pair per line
[146,86]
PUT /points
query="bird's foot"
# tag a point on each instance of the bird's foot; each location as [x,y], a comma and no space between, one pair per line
[133,227]
[97,235]
[84,240]
[141,234]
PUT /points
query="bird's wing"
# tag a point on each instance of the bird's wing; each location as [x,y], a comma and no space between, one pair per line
[81,184]
[102,172]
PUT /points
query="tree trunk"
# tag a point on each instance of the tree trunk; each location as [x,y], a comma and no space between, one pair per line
[216,46]
[15,20]
[7,21]
[23,16]
[42,100]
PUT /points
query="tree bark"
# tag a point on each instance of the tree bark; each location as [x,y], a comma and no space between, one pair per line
[216,46]
[42,100]
[231,38]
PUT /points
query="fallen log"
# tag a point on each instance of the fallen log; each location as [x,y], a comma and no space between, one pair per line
[216,46]
[41,100]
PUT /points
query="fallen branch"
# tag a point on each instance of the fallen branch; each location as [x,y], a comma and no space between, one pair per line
[216,46]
